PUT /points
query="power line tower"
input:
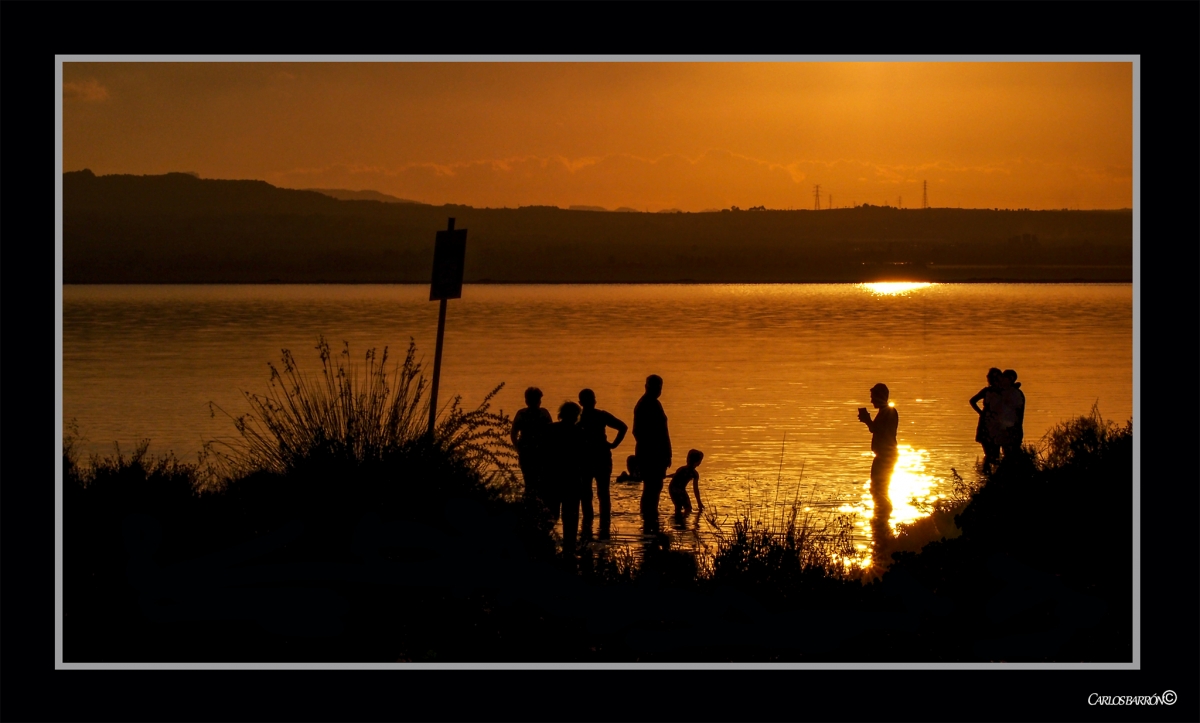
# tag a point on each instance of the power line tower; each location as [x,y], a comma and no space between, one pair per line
[924,194]
[830,203]
[817,197]
[899,201]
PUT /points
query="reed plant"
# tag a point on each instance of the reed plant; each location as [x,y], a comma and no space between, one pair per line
[774,544]
[362,415]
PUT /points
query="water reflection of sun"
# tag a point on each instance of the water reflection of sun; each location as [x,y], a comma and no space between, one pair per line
[911,488]
[894,288]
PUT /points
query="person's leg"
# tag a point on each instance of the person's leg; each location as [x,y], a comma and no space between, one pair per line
[1012,442]
[603,479]
[881,477]
[676,499]
[583,495]
[652,490]
[991,454]
[552,493]
[527,474]
[586,490]
[570,515]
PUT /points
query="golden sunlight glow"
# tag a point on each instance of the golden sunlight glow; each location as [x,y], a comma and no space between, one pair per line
[911,488]
[647,135]
[894,288]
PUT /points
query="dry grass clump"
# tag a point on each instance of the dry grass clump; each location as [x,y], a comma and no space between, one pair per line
[362,415]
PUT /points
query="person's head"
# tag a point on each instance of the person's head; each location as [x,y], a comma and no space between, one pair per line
[587,398]
[1009,377]
[569,412]
[993,376]
[533,397]
[879,395]
[654,385]
[694,456]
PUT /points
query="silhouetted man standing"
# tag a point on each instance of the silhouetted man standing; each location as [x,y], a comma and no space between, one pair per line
[883,444]
[1012,413]
[653,448]
[595,423]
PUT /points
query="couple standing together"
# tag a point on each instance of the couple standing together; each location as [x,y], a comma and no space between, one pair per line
[559,460]
[1002,417]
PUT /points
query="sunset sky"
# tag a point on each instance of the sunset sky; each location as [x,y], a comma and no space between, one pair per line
[651,136]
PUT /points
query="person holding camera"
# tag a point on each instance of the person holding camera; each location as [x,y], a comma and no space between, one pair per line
[883,443]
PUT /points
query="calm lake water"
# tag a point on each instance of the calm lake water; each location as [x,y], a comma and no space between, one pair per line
[764,379]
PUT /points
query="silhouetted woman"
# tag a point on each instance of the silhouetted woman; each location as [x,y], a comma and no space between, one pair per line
[567,470]
[985,430]
[528,431]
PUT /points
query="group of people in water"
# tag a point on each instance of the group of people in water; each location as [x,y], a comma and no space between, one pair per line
[561,460]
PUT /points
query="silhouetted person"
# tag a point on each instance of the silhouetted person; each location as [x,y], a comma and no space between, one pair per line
[567,459]
[528,436]
[653,448]
[988,426]
[595,424]
[679,482]
[1012,413]
[631,473]
[883,444]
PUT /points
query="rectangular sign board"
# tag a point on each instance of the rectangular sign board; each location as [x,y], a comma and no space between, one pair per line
[449,254]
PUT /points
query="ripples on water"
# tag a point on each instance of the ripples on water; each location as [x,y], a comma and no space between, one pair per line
[743,366]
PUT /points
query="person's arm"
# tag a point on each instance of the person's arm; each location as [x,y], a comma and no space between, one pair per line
[975,402]
[621,428]
[666,435]
[696,489]
[865,417]
[516,425]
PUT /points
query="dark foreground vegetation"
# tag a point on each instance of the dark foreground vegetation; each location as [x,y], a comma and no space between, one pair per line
[176,228]
[331,528]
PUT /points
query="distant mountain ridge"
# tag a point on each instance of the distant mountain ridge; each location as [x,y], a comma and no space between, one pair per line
[343,194]
[177,228]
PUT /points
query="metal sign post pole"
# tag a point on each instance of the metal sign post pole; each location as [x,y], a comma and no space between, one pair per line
[449,254]
[437,365]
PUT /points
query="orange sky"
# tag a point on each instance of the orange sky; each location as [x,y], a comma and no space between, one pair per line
[650,136]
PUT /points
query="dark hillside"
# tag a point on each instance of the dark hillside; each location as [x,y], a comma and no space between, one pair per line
[178,228]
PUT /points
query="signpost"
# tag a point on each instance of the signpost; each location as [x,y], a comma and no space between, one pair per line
[449,253]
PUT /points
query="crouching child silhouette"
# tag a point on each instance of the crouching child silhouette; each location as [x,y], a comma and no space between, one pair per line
[630,474]
[679,482]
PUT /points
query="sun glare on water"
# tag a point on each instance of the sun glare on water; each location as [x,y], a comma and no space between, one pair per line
[895,288]
[911,488]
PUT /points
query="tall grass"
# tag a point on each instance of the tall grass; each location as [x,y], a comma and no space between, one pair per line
[1080,440]
[362,414]
[777,543]
[800,543]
